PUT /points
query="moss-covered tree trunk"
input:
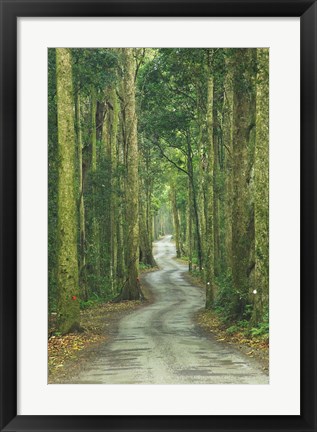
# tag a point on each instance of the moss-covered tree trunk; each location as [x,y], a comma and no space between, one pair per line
[114,120]
[209,192]
[218,94]
[193,205]
[176,220]
[227,142]
[119,185]
[216,188]
[189,226]
[149,213]
[200,191]
[82,228]
[94,245]
[146,255]
[145,220]
[196,220]
[155,227]
[243,110]
[67,263]
[52,182]
[261,190]
[107,227]
[131,289]
[250,175]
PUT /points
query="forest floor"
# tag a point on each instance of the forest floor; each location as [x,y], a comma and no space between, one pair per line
[100,323]
[252,346]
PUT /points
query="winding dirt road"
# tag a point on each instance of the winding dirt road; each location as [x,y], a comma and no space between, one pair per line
[160,344]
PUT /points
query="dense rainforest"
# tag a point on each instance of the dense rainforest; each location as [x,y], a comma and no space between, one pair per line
[148,142]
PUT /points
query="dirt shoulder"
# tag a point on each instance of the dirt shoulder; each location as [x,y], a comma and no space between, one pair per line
[68,355]
[255,348]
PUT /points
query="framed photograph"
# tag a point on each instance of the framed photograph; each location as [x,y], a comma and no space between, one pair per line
[158,215]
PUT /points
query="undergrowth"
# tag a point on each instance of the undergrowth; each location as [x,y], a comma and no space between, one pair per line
[225,309]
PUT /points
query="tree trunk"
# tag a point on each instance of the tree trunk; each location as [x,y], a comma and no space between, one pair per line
[227,142]
[145,226]
[209,266]
[216,185]
[200,189]
[82,228]
[217,251]
[262,187]
[146,255]
[104,196]
[120,221]
[176,221]
[67,267]
[114,200]
[242,126]
[193,203]
[94,242]
[189,233]
[131,289]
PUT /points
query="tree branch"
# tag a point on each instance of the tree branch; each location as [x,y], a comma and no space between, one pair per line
[170,160]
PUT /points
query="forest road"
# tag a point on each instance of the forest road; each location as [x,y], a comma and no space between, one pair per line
[160,343]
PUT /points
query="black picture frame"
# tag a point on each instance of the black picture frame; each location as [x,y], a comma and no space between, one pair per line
[10,11]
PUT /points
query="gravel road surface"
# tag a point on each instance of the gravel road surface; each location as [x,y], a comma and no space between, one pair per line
[160,344]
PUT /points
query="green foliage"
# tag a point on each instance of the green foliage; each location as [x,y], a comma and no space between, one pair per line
[225,302]
[232,329]
[94,300]
[261,330]
[87,304]
[94,66]
[263,327]
[143,266]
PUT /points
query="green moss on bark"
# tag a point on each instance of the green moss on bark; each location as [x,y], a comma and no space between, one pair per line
[243,124]
[131,289]
[67,267]
[261,191]
[209,193]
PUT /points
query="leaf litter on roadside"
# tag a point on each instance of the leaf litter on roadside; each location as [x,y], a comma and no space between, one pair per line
[95,320]
[252,346]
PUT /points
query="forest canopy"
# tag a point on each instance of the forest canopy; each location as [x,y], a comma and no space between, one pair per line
[148,142]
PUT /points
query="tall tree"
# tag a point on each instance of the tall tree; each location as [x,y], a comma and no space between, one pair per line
[82,228]
[218,93]
[261,190]
[175,218]
[243,128]
[227,142]
[131,289]
[67,266]
[145,217]
[209,190]
[114,120]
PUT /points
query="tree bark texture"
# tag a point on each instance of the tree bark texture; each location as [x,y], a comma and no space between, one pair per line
[243,100]
[67,268]
[262,187]
[131,289]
